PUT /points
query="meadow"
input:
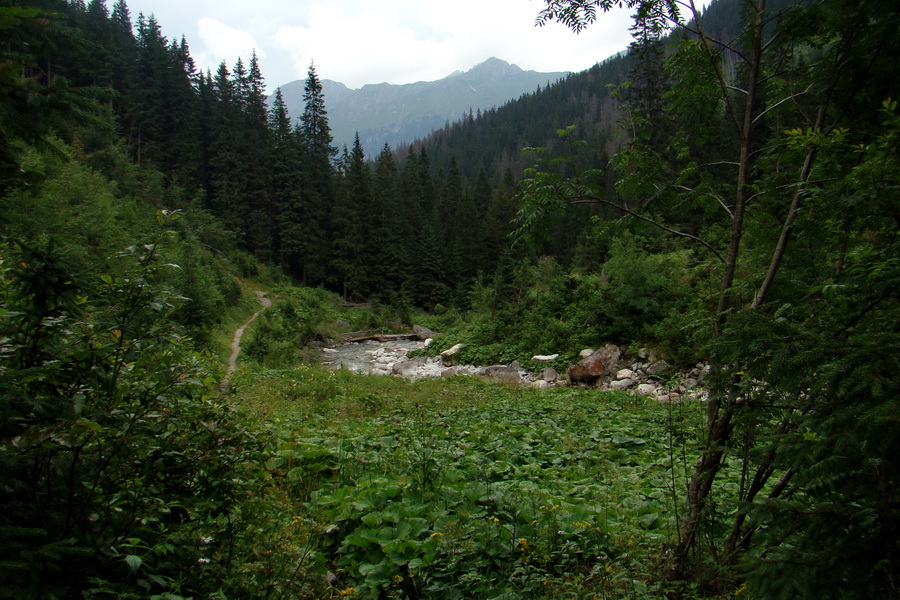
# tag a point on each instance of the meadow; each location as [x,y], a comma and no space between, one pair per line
[456,488]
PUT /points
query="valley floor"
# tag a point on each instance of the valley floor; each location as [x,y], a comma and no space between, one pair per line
[457,488]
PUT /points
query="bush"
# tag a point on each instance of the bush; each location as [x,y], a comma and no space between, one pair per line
[114,462]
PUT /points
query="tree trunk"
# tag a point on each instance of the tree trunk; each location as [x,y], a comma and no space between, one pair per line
[722,407]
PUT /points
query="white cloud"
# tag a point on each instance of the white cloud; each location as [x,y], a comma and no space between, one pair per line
[398,41]
[401,41]
[220,42]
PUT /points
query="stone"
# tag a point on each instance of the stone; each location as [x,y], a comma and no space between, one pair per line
[501,374]
[688,384]
[448,354]
[540,384]
[550,375]
[624,374]
[408,368]
[423,332]
[544,357]
[329,351]
[646,389]
[602,363]
[457,370]
[660,367]
[585,353]
[621,384]
[452,351]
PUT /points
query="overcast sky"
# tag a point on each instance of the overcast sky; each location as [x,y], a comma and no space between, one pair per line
[373,41]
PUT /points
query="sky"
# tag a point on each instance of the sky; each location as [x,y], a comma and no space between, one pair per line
[357,42]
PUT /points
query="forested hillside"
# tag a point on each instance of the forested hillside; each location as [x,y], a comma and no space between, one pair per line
[727,192]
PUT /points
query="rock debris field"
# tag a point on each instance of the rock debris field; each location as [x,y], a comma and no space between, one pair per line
[607,368]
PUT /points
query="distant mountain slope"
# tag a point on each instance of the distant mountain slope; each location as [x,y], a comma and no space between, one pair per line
[493,142]
[394,114]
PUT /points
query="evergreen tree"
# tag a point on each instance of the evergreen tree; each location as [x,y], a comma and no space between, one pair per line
[286,177]
[318,183]
[389,271]
[349,261]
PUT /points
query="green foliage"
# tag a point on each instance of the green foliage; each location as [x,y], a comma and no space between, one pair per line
[463,489]
[299,317]
[294,321]
[636,297]
[112,454]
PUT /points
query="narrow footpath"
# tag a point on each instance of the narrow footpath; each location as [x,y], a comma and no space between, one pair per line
[236,342]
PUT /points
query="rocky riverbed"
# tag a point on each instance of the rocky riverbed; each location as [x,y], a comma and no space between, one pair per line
[374,358]
[606,368]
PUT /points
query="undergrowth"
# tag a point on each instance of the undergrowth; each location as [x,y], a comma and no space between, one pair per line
[462,489]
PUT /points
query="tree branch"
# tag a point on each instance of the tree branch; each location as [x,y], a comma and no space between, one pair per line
[594,200]
[782,101]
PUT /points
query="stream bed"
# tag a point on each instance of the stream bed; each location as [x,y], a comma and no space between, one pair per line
[379,358]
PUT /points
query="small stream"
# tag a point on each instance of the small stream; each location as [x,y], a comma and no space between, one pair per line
[370,357]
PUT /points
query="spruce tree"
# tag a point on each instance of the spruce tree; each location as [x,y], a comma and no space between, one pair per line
[318,183]
[349,260]
[389,269]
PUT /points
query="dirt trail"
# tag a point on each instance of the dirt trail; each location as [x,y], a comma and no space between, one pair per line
[236,342]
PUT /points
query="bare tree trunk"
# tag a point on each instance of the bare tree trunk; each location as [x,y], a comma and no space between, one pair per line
[722,408]
[764,471]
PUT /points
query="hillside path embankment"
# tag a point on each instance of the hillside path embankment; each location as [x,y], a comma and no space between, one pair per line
[236,342]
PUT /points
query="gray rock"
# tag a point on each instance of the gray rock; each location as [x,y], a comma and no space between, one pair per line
[452,351]
[585,353]
[409,367]
[646,389]
[540,384]
[550,375]
[501,374]
[447,356]
[689,384]
[621,384]
[544,357]
[660,367]
[423,332]
[602,363]
[624,374]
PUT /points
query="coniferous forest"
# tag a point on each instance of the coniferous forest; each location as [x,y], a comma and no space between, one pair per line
[724,195]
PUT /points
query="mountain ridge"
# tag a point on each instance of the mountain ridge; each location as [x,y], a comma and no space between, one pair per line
[385,113]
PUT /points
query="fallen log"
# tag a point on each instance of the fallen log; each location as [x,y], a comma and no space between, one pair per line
[393,337]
